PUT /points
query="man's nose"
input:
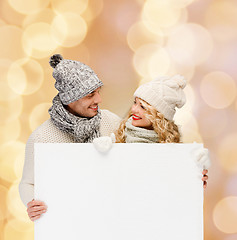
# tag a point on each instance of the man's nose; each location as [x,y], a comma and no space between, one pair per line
[97,98]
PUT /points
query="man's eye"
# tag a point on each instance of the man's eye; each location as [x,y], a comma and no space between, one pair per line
[142,107]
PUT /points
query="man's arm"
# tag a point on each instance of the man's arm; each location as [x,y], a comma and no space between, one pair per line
[26,187]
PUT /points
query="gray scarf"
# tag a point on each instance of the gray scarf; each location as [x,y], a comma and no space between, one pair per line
[83,130]
[139,135]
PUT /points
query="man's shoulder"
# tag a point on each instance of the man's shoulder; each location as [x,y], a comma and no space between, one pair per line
[106,114]
[48,132]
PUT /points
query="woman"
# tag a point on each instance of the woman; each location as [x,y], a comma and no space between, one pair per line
[150,119]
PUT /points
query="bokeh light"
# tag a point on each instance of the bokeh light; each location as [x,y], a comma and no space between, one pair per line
[25,76]
[227,153]
[20,230]
[10,131]
[225,215]
[10,110]
[72,6]
[11,154]
[190,44]
[45,15]
[11,33]
[127,43]
[6,93]
[139,35]
[3,203]
[38,115]
[159,63]
[157,15]
[93,10]
[210,130]
[220,18]
[28,6]
[37,40]
[222,88]
[15,205]
[68,29]
[142,57]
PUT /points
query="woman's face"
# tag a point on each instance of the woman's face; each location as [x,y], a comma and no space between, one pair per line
[138,116]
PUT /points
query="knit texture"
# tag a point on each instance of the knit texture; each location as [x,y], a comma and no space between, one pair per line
[74,80]
[83,130]
[164,94]
[49,133]
[139,135]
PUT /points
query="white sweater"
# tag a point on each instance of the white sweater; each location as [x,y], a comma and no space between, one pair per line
[49,133]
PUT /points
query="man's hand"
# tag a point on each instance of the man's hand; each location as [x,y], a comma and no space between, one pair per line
[35,209]
[205,177]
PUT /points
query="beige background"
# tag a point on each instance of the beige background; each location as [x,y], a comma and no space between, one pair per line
[126,43]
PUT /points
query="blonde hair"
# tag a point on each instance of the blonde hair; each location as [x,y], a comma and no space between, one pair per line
[166,130]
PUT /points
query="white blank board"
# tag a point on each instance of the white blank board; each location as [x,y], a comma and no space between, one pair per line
[133,192]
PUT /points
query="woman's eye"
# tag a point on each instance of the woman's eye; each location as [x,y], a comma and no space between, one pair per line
[142,107]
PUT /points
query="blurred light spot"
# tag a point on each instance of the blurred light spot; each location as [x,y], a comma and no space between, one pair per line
[183,19]
[227,153]
[72,6]
[156,15]
[28,6]
[39,114]
[29,79]
[180,3]
[142,56]
[69,29]
[45,16]
[225,215]
[190,136]
[184,70]
[222,88]
[10,131]
[10,110]
[11,154]
[139,35]
[190,44]
[15,205]
[37,40]
[2,23]
[3,202]
[159,63]
[9,15]
[10,44]
[20,230]
[231,184]
[6,92]
[206,120]
[93,10]
[186,120]
[231,237]
[220,18]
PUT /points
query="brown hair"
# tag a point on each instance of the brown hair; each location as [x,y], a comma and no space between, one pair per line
[166,130]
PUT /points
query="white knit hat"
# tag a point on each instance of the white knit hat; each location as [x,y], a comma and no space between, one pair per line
[164,94]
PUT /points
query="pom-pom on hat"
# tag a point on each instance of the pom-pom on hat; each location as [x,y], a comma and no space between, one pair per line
[74,80]
[164,94]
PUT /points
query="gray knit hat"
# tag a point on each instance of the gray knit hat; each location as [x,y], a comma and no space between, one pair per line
[164,94]
[74,80]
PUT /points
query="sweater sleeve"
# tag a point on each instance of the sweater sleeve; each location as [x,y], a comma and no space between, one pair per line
[109,123]
[26,186]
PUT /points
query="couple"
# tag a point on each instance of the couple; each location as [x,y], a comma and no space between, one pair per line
[76,117]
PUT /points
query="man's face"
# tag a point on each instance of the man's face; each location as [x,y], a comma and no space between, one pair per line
[86,106]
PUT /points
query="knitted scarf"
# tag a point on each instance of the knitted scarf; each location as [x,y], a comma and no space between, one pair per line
[139,135]
[84,130]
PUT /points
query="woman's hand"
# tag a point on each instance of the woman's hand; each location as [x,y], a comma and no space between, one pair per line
[204,178]
[35,209]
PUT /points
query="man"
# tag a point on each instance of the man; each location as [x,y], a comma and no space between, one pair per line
[74,117]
